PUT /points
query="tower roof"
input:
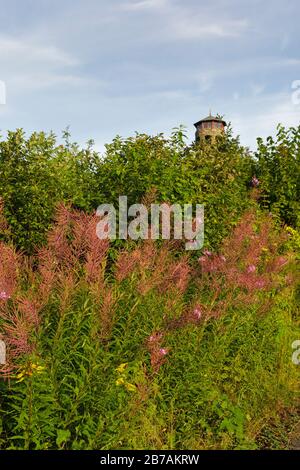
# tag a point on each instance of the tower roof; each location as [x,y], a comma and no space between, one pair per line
[210,118]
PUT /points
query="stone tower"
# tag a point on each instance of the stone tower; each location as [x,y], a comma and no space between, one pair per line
[209,128]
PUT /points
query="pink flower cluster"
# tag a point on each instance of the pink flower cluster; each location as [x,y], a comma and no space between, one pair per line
[205,256]
[197,313]
[4,295]
[249,260]
[163,351]
[251,268]
[157,336]
[255,182]
[211,262]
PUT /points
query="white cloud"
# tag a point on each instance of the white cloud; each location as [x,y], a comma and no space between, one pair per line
[39,81]
[245,67]
[180,21]
[256,89]
[29,65]
[204,81]
[22,49]
[197,28]
[144,4]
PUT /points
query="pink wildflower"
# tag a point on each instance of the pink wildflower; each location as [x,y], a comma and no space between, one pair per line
[197,313]
[155,337]
[251,268]
[260,284]
[4,295]
[255,182]
[163,351]
[207,253]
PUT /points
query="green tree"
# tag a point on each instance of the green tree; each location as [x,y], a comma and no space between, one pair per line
[278,170]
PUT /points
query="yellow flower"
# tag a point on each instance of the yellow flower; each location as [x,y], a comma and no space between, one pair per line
[35,367]
[130,387]
[122,367]
[120,381]
[20,375]
[28,371]
[20,380]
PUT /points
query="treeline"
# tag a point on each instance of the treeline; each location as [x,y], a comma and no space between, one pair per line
[37,173]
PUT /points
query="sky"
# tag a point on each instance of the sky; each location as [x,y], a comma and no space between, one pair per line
[108,67]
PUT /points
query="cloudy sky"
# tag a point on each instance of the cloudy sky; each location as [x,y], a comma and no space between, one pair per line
[107,67]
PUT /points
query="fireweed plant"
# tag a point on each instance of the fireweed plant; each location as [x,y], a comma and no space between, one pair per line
[152,349]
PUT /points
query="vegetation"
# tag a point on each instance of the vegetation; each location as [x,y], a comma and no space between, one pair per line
[278,169]
[141,345]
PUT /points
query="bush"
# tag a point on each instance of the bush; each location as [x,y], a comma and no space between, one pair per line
[217,176]
[278,169]
[35,175]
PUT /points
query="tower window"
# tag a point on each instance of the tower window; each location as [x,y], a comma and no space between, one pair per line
[207,125]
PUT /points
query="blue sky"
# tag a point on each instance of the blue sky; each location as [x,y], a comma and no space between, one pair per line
[107,67]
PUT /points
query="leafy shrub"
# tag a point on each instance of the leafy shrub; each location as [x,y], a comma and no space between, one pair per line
[35,175]
[278,169]
[216,176]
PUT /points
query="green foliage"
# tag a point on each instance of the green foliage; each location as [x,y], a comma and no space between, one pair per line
[222,381]
[35,175]
[34,407]
[216,176]
[278,169]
